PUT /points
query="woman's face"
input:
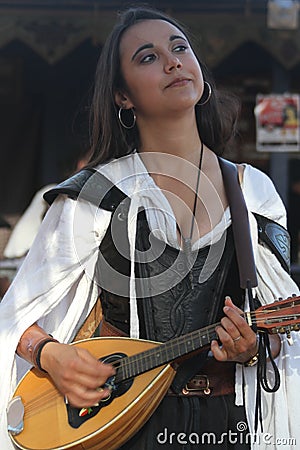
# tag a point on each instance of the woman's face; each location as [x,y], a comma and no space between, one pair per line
[160,70]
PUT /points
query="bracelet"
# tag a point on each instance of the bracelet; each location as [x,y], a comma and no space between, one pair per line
[38,350]
[252,361]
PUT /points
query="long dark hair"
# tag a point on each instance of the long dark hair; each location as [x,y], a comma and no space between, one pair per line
[216,119]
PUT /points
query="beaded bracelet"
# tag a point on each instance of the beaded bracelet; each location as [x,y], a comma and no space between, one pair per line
[38,351]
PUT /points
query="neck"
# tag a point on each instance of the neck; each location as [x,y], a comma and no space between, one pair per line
[176,136]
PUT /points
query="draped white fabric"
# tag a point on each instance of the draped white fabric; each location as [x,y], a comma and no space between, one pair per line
[55,283]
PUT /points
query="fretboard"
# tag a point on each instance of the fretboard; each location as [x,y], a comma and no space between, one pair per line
[165,353]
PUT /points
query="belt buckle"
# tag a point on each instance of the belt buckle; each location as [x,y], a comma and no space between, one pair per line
[206,389]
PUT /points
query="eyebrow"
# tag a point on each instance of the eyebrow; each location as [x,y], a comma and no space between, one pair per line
[172,38]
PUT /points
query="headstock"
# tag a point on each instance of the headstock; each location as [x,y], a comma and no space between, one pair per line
[282,316]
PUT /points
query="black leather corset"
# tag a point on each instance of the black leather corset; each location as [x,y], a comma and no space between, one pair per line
[175,296]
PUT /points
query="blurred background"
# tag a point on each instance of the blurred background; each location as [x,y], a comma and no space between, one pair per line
[48,54]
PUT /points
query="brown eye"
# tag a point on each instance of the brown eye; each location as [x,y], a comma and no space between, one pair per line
[148,58]
[180,48]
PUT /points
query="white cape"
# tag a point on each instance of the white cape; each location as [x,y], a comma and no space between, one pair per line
[54,287]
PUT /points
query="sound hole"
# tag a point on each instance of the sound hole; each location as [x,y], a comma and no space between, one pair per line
[77,416]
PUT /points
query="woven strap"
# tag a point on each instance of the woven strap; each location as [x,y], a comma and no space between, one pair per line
[91,323]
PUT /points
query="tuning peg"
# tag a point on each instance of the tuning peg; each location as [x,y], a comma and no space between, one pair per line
[289,337]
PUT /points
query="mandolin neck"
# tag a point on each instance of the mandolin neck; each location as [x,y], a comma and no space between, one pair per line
[282,316]
[165,353]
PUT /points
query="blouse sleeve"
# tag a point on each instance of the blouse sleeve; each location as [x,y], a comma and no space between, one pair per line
[54,285]
[261,195]
[262,198]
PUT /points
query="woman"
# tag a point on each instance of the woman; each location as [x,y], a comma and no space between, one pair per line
[158,126]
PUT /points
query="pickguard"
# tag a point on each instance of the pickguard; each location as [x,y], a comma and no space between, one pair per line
[77,416]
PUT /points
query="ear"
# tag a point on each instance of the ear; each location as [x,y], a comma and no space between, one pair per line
[122,100]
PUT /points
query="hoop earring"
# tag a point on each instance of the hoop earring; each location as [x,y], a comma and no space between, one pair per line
[208,95]
[128,127]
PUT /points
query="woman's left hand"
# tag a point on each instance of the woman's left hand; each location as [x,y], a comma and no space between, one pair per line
[238,340]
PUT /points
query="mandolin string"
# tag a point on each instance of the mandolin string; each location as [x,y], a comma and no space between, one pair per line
[49,396]
[41,402]
[124,363]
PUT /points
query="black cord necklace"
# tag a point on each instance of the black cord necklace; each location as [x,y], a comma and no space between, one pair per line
[187,241]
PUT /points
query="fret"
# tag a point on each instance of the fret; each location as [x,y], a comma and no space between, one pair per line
[120,373]
[126,371]
[134,364]
[207,335]
[158,356]
[164,353]
[200,339]
[176,348]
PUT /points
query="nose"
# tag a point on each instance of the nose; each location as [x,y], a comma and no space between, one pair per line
[172,63]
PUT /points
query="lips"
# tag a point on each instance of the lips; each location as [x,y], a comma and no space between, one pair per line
[178,82]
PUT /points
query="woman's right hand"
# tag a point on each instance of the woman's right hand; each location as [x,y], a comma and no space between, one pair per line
[76,373]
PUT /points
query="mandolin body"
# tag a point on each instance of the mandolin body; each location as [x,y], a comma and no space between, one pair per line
[143,376]
[46,424]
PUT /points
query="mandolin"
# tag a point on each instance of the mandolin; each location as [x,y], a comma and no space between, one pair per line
[144,373]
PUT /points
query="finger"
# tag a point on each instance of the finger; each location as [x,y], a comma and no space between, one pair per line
[92,379]
[218,352]
[229,347]
[236,345]
[80,397]
[231,329]
[239,321]
[236,315]
[229,302]
[83,380]
[88,371]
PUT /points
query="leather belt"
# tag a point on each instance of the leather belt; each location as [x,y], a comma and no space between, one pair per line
[216,378]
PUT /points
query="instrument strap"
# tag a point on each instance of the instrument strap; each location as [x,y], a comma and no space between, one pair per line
[240,224]
[248,279]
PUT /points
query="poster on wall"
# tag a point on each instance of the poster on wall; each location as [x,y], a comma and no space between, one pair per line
[277,123]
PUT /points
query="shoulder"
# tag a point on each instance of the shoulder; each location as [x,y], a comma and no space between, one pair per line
[89,185]
[105,185]
[261,195]
[257,182]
